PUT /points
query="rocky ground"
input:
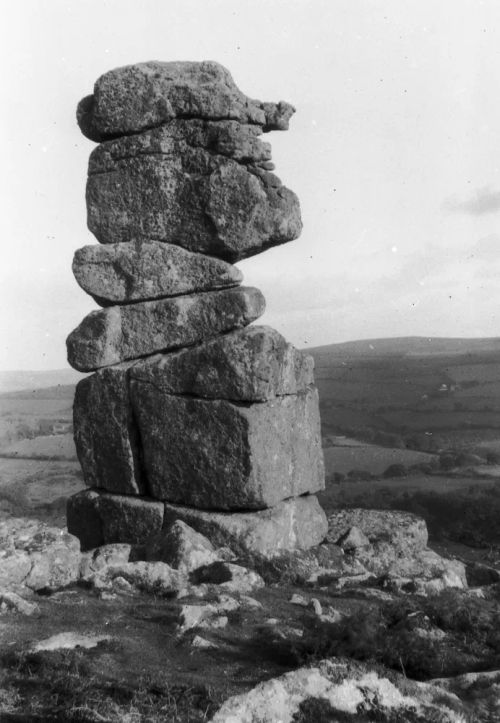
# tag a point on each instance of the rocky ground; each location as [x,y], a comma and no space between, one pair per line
[369,625]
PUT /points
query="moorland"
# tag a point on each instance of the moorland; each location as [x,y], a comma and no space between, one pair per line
[409,424]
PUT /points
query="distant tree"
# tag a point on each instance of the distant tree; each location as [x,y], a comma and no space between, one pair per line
[447,460]
[493,458]
[396,470]
[359,475]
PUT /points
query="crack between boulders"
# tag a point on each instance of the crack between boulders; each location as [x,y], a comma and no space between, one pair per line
[189,395]
[128,134]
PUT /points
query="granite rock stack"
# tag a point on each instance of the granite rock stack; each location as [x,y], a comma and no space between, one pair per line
[190,413]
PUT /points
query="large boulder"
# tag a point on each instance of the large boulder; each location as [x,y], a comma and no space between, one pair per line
[106,436]
[139,188]
[35,556]
[143,270]
[135,97]
[119,333]
[254,364]
[404,532]
[296,524]
[216,454]
[99,518]
[342,690]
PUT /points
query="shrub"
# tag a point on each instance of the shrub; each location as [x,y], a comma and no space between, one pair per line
[396,470]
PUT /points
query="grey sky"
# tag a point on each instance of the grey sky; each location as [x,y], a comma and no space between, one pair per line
[393,152]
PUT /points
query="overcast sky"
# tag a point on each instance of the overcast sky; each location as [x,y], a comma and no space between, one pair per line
[394,153]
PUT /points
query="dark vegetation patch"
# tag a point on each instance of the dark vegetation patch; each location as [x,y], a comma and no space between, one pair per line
[389,634]
[68,686]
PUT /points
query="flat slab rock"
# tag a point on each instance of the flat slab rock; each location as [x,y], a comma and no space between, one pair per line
[228,138]
[235,456]
[119,333]
[134,97]
[34,556]
[254,364]
[342,690]
[142,270]
[295,524]
[156,187]
[98,518]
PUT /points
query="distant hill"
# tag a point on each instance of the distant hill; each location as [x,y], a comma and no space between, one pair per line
[408,346]
[14,381]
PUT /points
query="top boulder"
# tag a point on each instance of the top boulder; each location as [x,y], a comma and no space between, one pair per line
[142,96]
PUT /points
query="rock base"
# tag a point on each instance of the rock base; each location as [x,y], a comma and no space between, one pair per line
[99,518]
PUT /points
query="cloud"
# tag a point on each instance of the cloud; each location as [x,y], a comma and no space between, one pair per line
[483,200]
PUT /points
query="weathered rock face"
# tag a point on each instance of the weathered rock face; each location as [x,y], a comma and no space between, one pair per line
[254,364]
[119,333]
[342,690]
[100,518]
[106,436]
[295,524]
[235,456]
[191,197]
[135,97]
[35,556]
[139,271]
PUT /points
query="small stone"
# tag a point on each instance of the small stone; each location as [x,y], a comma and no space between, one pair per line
[143,270]
[122,585]
[202,643]
[97,560]
[226,603]
[352,540]
[331,616]
[297,599]
[119,333]
[315,605]
[250,602]
[14,602]
[69,641]
[191,616]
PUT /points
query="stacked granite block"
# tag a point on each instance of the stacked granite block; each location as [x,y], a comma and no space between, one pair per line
[190,413]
